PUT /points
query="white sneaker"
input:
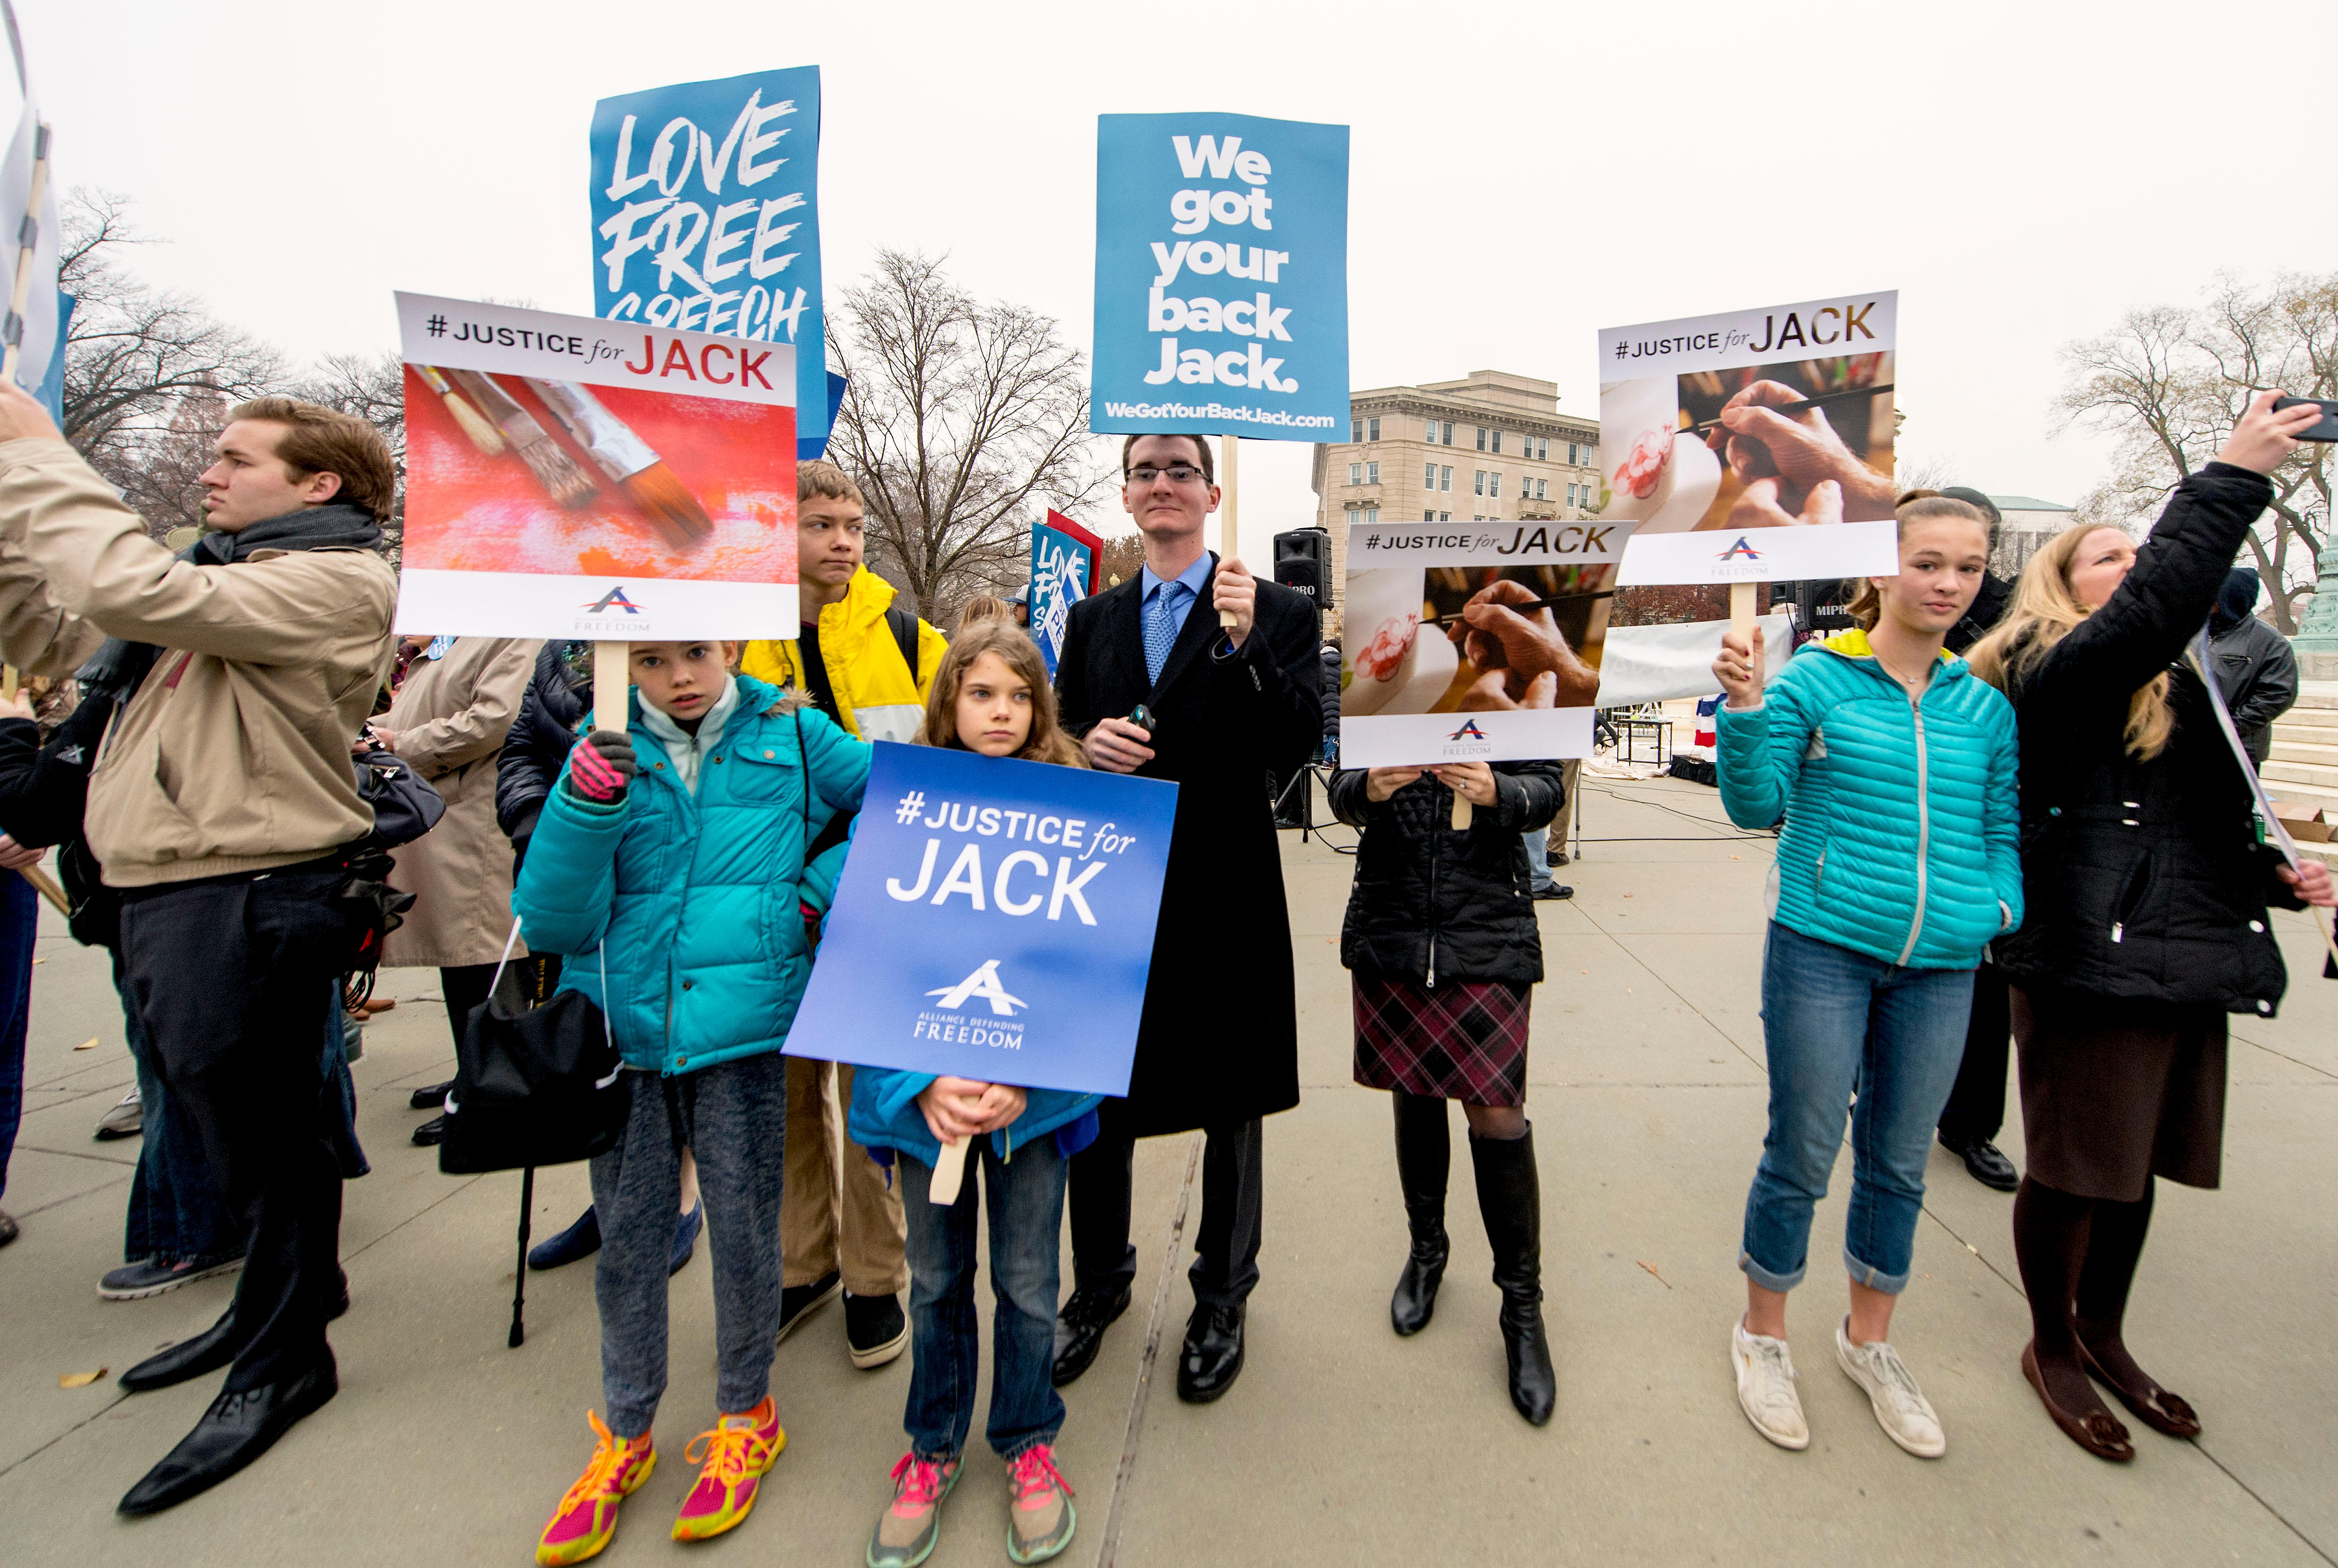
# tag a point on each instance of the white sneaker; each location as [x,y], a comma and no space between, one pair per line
[1765,1387]
[1900,1407]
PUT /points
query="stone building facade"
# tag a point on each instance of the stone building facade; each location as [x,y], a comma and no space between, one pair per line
[1492,444]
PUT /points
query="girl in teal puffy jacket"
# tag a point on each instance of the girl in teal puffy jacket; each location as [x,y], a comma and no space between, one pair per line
[1892,768]
[666,866]
[990,696]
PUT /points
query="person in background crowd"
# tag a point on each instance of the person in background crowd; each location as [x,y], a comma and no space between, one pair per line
[224,808]
[1445,951]
[1225,706]
[652,870]
[983,607]
[2254,666]
[447,723]
[1555,850]
[1018,606]
[1330,658]
[559,695]
[991,698]
[1975,1113]
[2147,914]
[19,914]
[868,664]
[1892,769]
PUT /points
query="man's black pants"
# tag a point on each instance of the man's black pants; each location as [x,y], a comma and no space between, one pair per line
[1976,1108]
[1225,1238]
[234,983]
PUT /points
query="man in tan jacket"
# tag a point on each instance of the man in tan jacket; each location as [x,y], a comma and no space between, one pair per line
[222,806]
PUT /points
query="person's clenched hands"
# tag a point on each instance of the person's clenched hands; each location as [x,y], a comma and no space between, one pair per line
[1800,450]
[1496,634]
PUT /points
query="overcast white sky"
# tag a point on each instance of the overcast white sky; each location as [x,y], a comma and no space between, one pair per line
[1523,173]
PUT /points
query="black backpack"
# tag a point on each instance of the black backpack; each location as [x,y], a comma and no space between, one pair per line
[533,1084]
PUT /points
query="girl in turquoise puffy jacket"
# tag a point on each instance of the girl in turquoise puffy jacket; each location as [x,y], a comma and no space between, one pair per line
[667,865]
[1892,768]
[990,696]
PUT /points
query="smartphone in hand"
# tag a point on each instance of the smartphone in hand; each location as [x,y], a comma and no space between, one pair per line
[2327,431]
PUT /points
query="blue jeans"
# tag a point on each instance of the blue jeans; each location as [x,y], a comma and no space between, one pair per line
[20,914]
[1027,1218]
[176,1212]
[1837,1023]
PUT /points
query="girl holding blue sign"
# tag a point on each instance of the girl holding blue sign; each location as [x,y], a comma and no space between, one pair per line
[990,698]
[666,868]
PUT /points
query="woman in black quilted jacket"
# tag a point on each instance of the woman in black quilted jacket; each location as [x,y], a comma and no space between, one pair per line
[1442,939]
[2147,893]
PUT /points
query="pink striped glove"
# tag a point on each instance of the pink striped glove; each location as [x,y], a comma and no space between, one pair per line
[601,767]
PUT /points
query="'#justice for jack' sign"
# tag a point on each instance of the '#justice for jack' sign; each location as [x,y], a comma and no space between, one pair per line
[1221,276]
[995,921]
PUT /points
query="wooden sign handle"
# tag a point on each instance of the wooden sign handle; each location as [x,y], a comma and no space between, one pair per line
[1741,610]
[1229,458]
[1463,812]
[949,1172]
[613,678]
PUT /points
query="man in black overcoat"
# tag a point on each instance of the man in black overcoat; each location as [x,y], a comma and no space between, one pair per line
[1218,1048]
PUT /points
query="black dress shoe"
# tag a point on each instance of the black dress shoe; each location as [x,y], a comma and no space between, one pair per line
[430,1096]
[1985,1161]
[208,1351]
[212,1349]
[237,1428]
[431,1131]
[1079,1331]
[1211,1356]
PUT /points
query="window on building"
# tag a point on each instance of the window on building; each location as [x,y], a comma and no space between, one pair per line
[1445,478]
[1355,430]
[1498,440]
[1429,477]
[1570,495]
[1542,489]
[1371,514]
[1372,473]
[1481,437]
[1494,486]
[1428,514]
[1448,433]
[1570,454]
[1482,481]
[1355,473]
[1445,517]
[1542,449]
[1372,429]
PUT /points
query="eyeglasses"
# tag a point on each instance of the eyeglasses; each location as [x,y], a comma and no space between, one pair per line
[1179,474]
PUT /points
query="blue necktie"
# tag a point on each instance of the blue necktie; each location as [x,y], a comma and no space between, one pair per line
[1161,627]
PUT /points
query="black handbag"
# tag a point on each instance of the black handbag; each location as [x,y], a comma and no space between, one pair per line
[405,804]
[534,1085]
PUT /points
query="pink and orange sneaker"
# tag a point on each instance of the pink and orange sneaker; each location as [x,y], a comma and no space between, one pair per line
[586,1519]
[1039,1513]
[737,1452]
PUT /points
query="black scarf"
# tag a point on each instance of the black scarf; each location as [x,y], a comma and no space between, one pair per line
[116,668]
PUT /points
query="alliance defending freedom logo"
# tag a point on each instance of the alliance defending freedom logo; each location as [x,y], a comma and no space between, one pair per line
[1467,732]
[614,599]
[1740,551]
[945,1021]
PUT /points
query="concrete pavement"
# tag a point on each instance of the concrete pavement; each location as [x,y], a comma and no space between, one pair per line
[1342,1444]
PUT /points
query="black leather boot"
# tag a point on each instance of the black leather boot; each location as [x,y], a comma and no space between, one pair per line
[1509,1196]
[1424,1156]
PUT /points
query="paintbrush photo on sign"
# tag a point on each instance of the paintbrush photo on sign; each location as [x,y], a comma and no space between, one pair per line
[553,468]
[649,503]
[623,456]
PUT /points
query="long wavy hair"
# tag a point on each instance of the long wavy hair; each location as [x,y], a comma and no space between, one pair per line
[2044,611]
[1046,742]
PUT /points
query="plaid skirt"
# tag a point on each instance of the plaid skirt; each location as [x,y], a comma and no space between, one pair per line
[1466,1040]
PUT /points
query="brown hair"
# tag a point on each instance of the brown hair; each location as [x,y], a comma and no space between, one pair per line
[827,481]
[983,607]
[321,440]
[2044,611]
[1209,464]
[1914,507]
[1046,742]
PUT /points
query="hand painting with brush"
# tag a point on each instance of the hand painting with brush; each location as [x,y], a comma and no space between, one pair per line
[562,482]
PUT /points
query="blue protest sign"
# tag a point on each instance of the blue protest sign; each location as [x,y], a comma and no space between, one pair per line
[1221,276]
[1063,570]
[994,921]
[706,216]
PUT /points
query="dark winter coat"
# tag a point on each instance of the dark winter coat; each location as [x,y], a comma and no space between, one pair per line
[2257,671]
[1330,660]
[536,749]
[2144,879]
[1981,617]
[43,790]
[1220,1037]
[1432,904]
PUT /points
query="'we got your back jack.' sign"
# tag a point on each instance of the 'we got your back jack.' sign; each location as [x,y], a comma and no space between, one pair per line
[994,921]
[1221,276]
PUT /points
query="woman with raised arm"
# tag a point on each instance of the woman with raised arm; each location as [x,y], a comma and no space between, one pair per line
[1892,769]
[2147,920]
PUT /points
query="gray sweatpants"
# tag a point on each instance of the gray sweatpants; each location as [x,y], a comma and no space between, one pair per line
[734,1117]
